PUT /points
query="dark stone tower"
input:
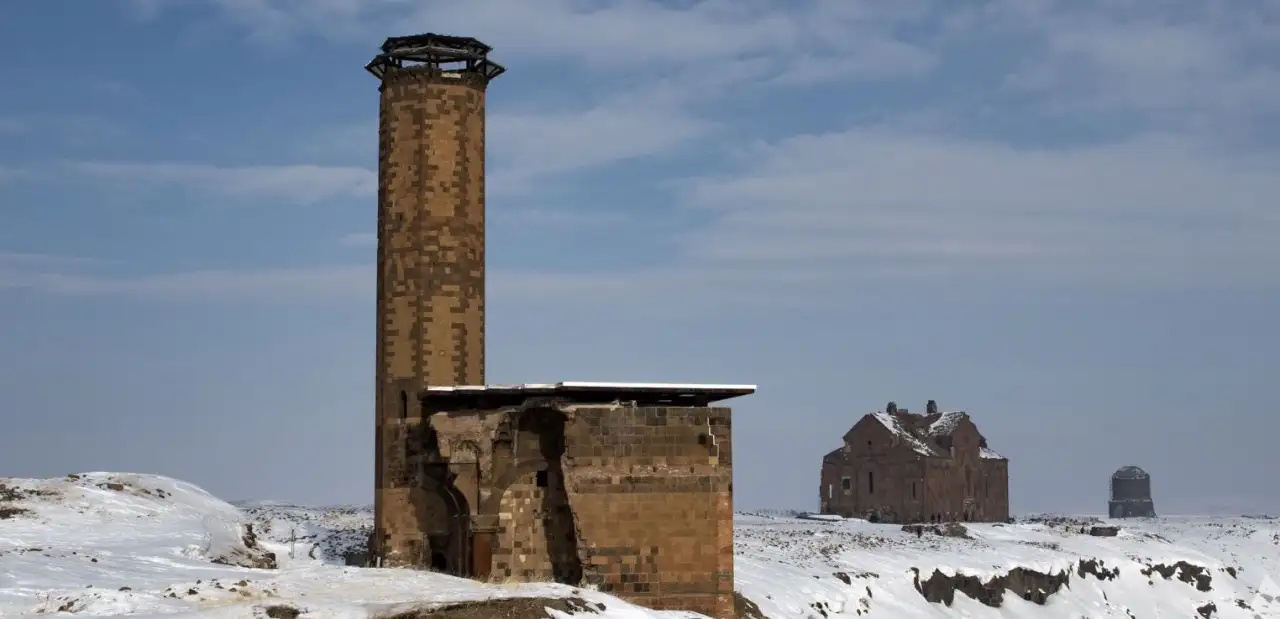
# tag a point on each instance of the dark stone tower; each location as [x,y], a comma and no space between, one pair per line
[1131,494]
[430,306]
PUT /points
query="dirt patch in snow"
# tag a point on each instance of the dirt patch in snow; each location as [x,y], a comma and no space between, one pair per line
[1058,520]
[280,611]
[9,511]
[946,529]
[119,486]
[13,494]
[510,608]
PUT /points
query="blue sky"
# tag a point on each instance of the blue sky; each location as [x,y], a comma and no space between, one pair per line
[1059,216]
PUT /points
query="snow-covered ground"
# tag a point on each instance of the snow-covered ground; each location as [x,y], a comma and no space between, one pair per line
[109,544]
[103,544]
[793,568]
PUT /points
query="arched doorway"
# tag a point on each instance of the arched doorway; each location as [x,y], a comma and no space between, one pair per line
[444,521]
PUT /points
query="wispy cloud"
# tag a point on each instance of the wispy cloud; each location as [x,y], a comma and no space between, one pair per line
[527,147]
[599,34]
[76,129]
[1174,62]
[674,57]
[1154,195]
[289,183]
[342,282]
[858,198]
[9,173]
[24,269]
[39,259]
[560,218]
[11,126]
[359,240]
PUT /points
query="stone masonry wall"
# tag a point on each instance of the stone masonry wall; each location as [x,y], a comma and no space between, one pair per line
[651,491]
[430,283]
[893,483]
[537,542]
[637,501]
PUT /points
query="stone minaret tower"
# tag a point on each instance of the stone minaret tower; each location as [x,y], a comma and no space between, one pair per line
[430,304]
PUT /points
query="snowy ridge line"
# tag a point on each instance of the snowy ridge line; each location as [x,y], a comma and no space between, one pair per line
[106,544]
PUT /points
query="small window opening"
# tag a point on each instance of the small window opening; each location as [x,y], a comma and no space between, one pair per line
[831,490]
[702,440]
[404,405]
[913,489]
[871,482]
[542,479]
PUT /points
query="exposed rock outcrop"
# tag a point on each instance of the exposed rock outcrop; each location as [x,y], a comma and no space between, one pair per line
[251,555]
[744,608]
[1037,587]
[1191,574]
[1027,584]
[1097,569]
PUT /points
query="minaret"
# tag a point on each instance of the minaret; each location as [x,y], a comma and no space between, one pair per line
[430,306]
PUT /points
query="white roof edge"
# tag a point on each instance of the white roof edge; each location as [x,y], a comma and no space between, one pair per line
[694,387]
[672,386]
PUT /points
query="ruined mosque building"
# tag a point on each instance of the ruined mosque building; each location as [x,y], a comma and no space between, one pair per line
[625,486]
[903,467]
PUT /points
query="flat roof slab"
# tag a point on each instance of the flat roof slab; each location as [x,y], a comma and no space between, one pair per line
[583,392]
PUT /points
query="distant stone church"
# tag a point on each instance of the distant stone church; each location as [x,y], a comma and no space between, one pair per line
[898,466]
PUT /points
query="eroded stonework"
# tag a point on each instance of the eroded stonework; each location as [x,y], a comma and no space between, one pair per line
[636,500]
[899,466]
[628,490]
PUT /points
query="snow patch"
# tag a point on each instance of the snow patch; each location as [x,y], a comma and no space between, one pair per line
[946,423]
[988,453]
[904,434]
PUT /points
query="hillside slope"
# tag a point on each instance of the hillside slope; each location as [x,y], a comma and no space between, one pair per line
[790,568]
[103,544]
[1173,567]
